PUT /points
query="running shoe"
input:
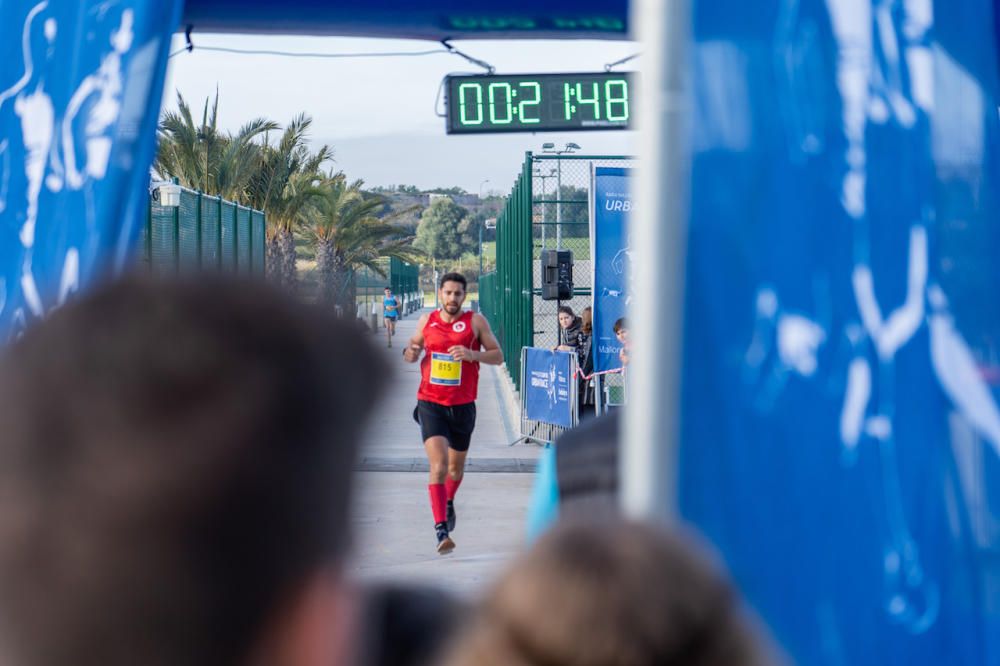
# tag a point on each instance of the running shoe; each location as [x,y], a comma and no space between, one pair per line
[445,544]
[451,517]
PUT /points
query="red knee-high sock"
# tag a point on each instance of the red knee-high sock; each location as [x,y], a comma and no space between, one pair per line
[439,499]
[451,486]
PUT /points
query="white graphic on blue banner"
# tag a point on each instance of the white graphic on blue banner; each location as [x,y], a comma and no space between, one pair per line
[547,391]
[841,274]
[613,267]
[75,93]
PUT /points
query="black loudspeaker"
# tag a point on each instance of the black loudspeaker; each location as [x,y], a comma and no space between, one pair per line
[557,275]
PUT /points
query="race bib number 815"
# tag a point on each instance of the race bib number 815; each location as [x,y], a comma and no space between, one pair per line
[445,371]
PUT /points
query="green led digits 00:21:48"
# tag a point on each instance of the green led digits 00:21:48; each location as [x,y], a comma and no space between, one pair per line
[539,103]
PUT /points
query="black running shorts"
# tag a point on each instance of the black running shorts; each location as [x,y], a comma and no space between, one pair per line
[454,423]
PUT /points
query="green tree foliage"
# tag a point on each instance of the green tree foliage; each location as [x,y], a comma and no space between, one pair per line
[450,191]
[446,231]
[396,189]
[348,236]
[287,179]
[571,207]
[203,158]
[281,178]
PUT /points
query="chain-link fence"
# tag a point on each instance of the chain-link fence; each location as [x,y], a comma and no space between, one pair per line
[548,209]
[202,233]
[560,220]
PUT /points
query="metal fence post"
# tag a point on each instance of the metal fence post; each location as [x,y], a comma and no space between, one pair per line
[236,238]
[177,239]
[149,233]
[218,254]
[198,229]
[250,242]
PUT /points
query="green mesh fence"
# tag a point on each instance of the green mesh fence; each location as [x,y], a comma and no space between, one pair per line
[243,240]
[368,285]
[203,232]
[509,307]
[163,250]
[258,229]
[488,295]
[144,240]
[210,211]
[228,237]
[189,233]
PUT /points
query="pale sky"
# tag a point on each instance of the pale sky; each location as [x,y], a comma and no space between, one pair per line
[378,114]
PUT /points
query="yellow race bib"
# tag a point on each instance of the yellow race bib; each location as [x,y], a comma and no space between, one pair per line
[445,371]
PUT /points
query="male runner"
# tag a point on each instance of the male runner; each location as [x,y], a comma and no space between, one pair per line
[390,312]
[455,343]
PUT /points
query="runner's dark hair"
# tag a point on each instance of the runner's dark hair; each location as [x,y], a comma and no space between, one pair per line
[454,277]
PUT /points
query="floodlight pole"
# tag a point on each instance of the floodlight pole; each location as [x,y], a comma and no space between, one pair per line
[559,202]
[539,174]
[651,430]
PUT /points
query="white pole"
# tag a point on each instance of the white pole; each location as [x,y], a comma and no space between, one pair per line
[659,243]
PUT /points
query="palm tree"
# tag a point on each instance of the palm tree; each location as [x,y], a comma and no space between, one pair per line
[349,235]
[201,157]
[287,179]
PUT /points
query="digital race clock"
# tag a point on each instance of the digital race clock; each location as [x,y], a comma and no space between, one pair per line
[539,102]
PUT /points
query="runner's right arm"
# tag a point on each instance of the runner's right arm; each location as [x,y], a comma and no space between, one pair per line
[416,344]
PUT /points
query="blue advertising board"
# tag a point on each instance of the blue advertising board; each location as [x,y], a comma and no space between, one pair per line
[840,433]
[80,90]
[612,256]
[547,390]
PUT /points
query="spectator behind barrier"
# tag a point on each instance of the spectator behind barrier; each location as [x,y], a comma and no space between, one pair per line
[610,594]
[175,463]
[406,625]
[621,332]
[569,330]
[585,359]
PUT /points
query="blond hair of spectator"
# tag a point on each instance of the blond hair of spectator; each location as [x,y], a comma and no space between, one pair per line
[618,594]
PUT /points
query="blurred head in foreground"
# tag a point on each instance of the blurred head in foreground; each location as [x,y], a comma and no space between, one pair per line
[174,467]
[609,594]
[406,624]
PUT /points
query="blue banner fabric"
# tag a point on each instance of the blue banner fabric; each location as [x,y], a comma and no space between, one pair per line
[547,390]
[612,254]
[840,428]
[80,90]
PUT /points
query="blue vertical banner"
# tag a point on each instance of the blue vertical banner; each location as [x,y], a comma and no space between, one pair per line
[841,381]
[612,256]
[548,395]
[80,91]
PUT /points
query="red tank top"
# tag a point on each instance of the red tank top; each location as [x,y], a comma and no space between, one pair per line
[442,379]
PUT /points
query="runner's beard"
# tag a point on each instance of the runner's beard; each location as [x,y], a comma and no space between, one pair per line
[452,308]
